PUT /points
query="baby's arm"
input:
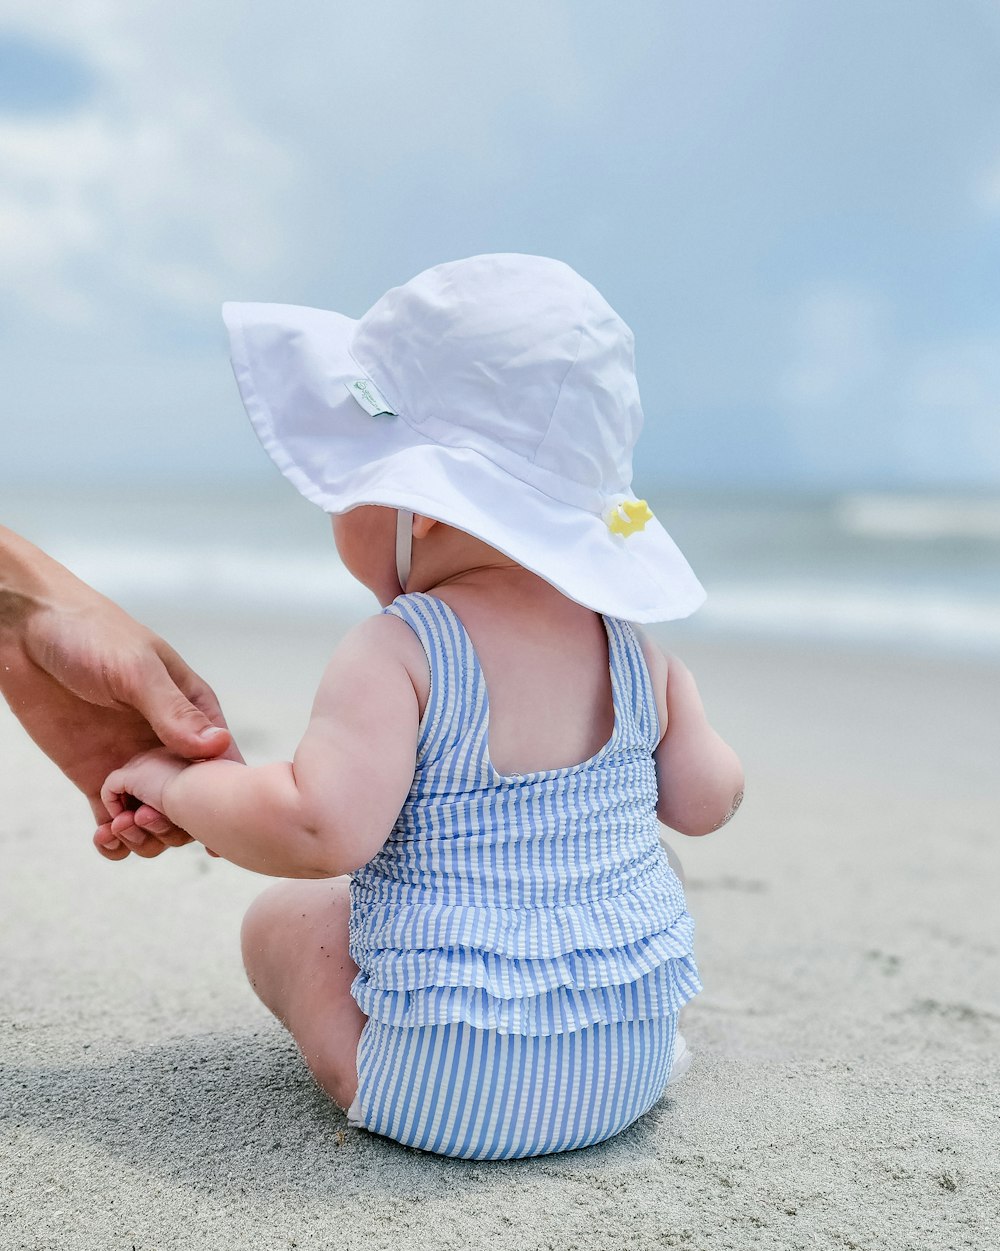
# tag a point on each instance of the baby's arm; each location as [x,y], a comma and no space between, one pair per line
[699,776]
[328,811]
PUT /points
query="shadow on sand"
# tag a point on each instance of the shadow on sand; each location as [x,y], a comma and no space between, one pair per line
[240,1114]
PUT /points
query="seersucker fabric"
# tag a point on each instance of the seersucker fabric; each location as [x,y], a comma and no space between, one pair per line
[481,1095]
[536,906]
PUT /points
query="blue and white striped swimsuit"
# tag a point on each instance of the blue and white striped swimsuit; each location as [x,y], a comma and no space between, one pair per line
[523,945]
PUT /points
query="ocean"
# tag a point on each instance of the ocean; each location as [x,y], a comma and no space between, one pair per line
[907,571]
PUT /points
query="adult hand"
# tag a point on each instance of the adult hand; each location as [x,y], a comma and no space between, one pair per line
[93,687]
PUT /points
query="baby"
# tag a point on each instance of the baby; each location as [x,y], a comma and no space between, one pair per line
[491,959]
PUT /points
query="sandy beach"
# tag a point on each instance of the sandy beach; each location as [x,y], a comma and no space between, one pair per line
[845,1087]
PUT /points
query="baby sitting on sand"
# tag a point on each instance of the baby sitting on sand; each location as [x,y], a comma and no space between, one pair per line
[492,958]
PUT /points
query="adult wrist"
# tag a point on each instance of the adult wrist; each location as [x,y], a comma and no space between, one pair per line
[30,583]
[19,587]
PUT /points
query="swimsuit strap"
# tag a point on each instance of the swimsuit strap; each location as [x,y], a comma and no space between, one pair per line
[458,700]
[456,707]
[635,702]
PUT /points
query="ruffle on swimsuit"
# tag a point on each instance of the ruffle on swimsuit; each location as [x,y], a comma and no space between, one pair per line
[530,905]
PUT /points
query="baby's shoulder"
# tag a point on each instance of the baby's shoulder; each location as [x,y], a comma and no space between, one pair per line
[386,640]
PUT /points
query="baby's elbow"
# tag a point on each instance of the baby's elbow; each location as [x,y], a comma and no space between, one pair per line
[322,851]
[331,849]
[705,817]
[324,866]
[716,822]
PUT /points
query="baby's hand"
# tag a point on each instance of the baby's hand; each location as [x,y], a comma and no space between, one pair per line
[133,795]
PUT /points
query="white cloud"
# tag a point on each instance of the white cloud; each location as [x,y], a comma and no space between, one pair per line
[857,394]
[217,138]
[697,162]
[158,187]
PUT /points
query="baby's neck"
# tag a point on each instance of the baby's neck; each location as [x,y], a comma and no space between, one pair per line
[449,557]
[467,572]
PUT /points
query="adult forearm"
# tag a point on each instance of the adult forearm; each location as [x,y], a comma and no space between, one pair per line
[30,582]
[24,572]
[254,817]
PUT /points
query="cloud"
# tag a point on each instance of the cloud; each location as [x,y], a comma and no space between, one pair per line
[782,210]
[153,192]
[213,140]
[860,399]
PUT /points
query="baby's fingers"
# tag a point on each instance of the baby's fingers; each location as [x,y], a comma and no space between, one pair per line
[114,793]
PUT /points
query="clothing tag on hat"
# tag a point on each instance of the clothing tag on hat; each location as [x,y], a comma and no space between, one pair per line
[370,398]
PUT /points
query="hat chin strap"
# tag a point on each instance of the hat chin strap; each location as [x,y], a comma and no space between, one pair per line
[404,545]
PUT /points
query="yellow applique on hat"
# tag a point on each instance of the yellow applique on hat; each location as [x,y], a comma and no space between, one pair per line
[628,517]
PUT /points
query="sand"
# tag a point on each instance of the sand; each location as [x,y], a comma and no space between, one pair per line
[845,1087]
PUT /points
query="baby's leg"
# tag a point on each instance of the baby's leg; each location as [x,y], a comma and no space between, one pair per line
[295,949]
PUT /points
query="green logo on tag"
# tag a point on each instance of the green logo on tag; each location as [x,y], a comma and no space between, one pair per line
[370,398]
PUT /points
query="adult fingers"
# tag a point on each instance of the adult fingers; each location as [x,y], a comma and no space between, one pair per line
[179,725]
[155,823]
[138,837]
[144,845]
[197,690]
[110,847]
[101,814]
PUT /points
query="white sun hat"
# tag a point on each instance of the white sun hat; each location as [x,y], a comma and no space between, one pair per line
[496,394]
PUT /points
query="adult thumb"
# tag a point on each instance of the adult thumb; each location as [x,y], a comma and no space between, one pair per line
[181,726]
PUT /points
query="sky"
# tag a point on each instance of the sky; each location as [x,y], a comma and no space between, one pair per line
[796,207]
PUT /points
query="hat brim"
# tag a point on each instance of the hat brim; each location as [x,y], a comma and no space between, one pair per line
[293,367]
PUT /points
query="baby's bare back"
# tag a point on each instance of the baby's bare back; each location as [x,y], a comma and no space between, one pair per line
[545,662]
